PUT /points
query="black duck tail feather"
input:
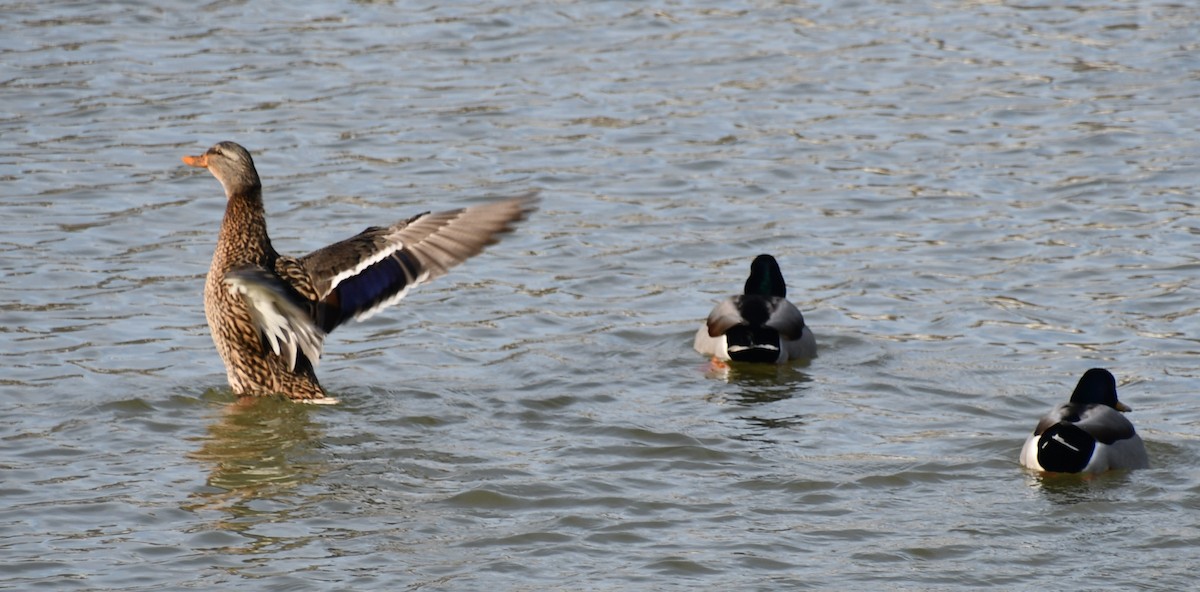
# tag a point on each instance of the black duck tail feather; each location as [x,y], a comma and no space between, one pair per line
[1065,448]
[752,344]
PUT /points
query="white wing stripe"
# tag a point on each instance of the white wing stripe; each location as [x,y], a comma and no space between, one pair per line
[365,263]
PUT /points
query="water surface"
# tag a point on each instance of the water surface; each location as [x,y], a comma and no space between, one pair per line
[972,202]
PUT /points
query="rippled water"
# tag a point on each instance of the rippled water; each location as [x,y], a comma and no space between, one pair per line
[973,202]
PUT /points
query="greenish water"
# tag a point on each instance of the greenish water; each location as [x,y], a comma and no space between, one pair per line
[972,203]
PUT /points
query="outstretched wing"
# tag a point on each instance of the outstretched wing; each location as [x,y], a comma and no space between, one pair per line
[281,315]
[360,276]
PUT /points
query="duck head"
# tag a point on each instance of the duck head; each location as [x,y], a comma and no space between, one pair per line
[232,166]
[765,278]
[1097,386]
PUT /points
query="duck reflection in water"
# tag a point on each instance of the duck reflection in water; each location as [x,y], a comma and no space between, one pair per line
[749,390]
[1067,489]
[259,448]
[753,384]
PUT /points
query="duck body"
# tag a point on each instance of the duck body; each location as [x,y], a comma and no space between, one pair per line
[248,366]
[760,325]
[269,313]
[1088,434]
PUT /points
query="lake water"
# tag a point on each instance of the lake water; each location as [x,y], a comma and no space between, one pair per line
[972,202]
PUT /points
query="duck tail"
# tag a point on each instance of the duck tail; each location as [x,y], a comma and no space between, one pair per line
[1065,448]
[753,344]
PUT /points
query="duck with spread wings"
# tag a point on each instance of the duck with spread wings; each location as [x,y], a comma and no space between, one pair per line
[269,313]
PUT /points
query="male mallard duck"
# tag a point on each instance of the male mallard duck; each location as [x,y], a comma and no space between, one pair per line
[1088,434]
[269,313]
[760,325]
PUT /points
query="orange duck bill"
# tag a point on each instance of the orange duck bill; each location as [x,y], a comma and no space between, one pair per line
[196,161]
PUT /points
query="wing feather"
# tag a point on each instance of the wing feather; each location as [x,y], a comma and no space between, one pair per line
[786,319]
[279,313]
[724,316]
[375,269]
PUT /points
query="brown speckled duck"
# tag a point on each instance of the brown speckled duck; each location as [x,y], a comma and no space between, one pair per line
[269,313]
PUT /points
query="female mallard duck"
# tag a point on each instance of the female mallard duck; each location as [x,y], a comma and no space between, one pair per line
[269,313]
[1088,434]
[760,325]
